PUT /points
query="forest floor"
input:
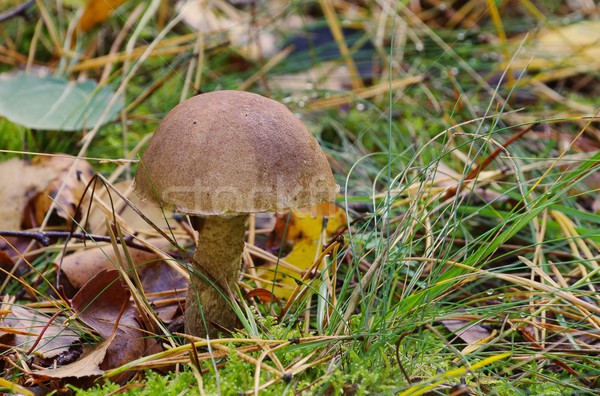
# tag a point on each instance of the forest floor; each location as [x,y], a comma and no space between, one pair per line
[461,256]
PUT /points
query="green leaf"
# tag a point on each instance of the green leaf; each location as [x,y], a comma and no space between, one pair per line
[55,103]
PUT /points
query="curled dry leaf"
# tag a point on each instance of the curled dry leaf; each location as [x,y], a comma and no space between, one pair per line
[23,327]
[99,304]
[20,182]
[263,295]
[468,331]
[87,365]
[72,193]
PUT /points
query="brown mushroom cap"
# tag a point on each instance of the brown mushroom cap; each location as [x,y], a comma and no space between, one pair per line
[231,152]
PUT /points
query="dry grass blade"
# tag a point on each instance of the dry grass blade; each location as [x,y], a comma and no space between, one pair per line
[274,61]
[363,93]
[578,244]
[271,258]
[14,388]
[174,45]
[224,347]
[586,307]
[135,14]
[271,353]
[58,48]
[336,30]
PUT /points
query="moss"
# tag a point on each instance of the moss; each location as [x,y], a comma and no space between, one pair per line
[152,384]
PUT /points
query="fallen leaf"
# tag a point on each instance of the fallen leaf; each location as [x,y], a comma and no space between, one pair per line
[162,219]
[53,103]
[20,182]
[576,42]
[563,51]
[97,11]
[87,365]
[263,295]
[71,196]
[6,264]
[22,327]
[80,267]
[475,346]
[165,289]
[307,223]
[212,17]
[475,335]
[27,187]
[315,60]
[304,233]
[467,331]
[98,304]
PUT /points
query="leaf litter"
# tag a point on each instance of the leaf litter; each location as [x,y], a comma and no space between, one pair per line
[60,345]
[30,331]
[103,304]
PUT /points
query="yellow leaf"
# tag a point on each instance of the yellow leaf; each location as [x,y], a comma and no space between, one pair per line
[305,233]
[96,12]
[566,50]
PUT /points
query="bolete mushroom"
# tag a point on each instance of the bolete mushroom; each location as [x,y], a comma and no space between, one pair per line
[218,157]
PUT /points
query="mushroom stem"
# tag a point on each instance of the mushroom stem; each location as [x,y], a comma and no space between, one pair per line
[218,258]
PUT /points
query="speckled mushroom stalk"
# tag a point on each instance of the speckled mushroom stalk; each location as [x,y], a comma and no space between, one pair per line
[218,251]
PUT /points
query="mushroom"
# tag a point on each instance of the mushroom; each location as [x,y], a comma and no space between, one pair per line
[217,157]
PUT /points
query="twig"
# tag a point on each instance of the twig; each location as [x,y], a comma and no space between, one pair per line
[17,11]
[46,237]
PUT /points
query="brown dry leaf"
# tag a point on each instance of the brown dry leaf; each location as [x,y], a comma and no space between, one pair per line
[162,284]
[466,330]
[326,76]
[6,264]
[22,327]
[98,304]
[165,289]
[70,197]
[20,182]
[80,267]
[96,12]
[87,365]
[475,335]
[14,247]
